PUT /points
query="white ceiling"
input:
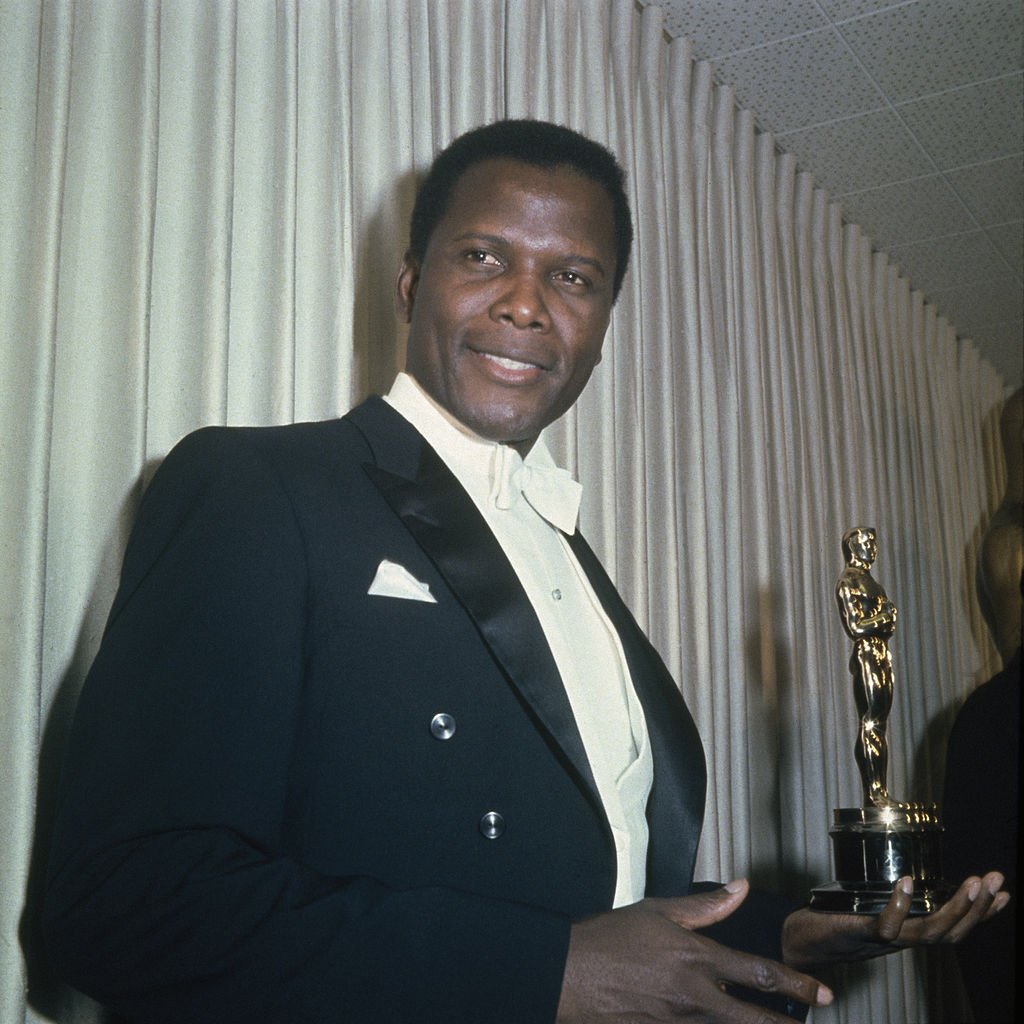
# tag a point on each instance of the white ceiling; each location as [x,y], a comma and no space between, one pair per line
[911,116]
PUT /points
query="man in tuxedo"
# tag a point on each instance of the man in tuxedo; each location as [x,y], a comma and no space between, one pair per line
[371,736]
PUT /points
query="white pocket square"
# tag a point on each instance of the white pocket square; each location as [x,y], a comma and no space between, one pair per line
[394,580]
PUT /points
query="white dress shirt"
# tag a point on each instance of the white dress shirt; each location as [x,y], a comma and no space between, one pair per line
[586,647]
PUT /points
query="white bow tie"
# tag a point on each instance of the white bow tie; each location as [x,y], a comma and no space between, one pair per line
[550,490]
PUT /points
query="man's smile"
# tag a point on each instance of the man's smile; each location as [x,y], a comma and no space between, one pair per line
[512,364]
[509,369]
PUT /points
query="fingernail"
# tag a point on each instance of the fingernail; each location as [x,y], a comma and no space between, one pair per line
[907,885]
[973,889]
[1000,901]
[996,884]
[825,996]
[736,885]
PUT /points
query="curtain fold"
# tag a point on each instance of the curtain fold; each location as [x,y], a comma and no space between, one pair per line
[203,208]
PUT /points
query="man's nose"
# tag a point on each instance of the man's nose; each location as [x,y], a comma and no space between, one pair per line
[521,303]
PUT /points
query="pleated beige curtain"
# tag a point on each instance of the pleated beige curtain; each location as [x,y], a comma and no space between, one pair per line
[203,206]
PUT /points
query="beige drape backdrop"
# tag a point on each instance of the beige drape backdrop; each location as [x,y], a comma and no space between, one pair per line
[203,205]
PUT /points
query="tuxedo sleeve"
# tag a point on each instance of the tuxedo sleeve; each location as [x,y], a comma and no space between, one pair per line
[175,893]
[756,927]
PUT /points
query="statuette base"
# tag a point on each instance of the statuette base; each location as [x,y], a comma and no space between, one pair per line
[873,848]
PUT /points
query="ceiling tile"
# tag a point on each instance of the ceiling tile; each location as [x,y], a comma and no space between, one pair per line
[858,153]
[969,125]
[993,191]
[800,81]
[718,27]
[1001,345]
[970,307]
[841,10]
[1009,240]
[908,211]
[929,46]
[801,67]
[938,264]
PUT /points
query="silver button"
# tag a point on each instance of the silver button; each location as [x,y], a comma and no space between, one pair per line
[556,594]
[492,825]
[442,726]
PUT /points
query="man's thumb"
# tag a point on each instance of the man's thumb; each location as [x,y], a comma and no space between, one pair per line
[703,908]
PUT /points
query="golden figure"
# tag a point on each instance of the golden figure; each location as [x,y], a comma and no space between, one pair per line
[869,618]
[884,840]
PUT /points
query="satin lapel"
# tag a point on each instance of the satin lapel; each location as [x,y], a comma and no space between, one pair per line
[675,810]
[443,520]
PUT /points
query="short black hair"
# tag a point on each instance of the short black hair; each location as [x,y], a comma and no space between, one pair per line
[539,143]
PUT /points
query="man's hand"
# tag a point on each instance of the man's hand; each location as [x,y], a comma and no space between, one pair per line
[646,963]
[811,938]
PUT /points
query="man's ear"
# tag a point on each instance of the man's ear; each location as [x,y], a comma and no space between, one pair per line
[405,287]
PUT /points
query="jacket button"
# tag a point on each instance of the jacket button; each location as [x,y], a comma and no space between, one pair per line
[442,726]
[492,825]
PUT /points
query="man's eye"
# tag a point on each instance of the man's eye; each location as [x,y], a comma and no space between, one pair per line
[484,258]
[572,278]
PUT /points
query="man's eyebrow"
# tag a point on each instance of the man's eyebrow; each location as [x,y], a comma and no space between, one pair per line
[499,240]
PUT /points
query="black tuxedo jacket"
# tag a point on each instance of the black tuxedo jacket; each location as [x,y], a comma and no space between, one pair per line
[257,822]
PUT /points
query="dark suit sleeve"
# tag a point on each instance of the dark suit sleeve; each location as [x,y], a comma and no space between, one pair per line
[756,927]
[176,892]
[981,813]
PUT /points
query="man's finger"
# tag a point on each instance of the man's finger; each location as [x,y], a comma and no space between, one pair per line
[769,976]
[977,897]
[705,908]
[972,903]
[895,925]
[895,912]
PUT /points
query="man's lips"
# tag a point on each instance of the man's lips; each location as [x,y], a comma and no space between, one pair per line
[510,364]
[509,368]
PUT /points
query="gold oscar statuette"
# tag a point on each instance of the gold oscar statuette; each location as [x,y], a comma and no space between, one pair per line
[875,845]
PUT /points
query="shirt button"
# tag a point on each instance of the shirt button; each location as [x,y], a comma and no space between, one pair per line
[442,726]
[492,825]
[556,594]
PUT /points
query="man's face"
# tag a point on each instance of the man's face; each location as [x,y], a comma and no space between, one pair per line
[509,308]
